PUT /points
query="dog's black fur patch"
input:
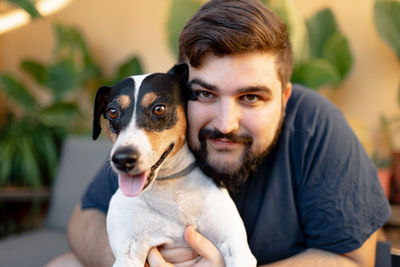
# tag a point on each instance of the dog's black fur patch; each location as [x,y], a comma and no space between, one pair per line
[168,92]
[171,90]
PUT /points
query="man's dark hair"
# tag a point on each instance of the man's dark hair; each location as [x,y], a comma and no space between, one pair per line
[226,27]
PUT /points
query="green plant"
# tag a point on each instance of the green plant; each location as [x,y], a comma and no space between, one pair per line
[387,23]
[179,13]
[27,5]
[31,136]
[321,53]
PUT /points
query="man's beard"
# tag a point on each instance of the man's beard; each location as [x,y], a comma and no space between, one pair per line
[249,161]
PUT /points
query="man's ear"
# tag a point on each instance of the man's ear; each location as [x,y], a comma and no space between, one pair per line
[181,71]
[99,106]
[287,92]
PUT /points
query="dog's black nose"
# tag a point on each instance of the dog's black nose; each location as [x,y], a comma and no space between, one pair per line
[125,158]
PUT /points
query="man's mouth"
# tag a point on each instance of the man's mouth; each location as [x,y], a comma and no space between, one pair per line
[214,134]
[223,143]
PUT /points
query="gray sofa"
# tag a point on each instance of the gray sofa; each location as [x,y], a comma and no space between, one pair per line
[80,159]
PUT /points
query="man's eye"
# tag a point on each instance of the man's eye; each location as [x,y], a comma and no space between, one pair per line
[112,113]
[204,94]
[251,99]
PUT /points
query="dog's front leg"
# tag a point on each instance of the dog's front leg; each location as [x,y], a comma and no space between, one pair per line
[130,253]
[221,223]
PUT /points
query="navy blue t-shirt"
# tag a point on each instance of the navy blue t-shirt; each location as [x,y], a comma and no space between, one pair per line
[316,189]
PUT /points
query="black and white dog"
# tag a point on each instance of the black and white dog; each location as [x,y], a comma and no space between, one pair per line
[161,191]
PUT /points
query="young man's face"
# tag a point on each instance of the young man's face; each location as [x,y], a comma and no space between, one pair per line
[237,114]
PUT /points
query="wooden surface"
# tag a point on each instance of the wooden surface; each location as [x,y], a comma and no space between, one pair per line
[23,194]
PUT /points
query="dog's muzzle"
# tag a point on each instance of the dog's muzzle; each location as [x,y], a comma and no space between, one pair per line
[125,159]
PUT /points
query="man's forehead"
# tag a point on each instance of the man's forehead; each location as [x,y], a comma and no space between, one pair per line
[256,69]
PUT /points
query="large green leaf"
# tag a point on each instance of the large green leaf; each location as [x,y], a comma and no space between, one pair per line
[297,29]
[36,69]
[59,114]
[69,40]
[30,166]
[387,22]
[17,91]
[132,66]
[62,77]
[6,158]
[179,13]
[28,6]
[315,74]
[337,51]
[46,149]
[70,45]
[321,26]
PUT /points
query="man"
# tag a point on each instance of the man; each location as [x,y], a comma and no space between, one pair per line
[306,190]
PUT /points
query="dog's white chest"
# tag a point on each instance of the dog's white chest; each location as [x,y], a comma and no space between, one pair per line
[160,215]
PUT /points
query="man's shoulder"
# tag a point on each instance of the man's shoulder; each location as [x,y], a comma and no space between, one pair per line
[307,108]
[308,99]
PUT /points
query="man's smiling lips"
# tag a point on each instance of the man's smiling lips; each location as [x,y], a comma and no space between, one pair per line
[223,143]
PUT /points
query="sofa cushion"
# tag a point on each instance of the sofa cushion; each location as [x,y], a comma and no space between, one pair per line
[33,248]
[81,159]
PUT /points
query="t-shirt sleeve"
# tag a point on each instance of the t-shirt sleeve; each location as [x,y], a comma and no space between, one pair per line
[340,201]
[99,192]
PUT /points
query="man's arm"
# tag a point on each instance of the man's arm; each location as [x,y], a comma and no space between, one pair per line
[88,238]
[363,256]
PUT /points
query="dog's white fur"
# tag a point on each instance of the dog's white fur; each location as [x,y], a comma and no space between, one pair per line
[160,214]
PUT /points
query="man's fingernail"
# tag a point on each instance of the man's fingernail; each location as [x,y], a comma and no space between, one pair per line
[190,232]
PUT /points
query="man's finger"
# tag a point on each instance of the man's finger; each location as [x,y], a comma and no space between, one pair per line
[202,245]
[154,259]
[177,254]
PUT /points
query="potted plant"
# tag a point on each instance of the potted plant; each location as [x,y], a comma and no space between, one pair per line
[36,120]
[387,22]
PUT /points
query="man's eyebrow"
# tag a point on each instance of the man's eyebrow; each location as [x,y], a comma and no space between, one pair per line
[254,89]
[240,90]
[203,84]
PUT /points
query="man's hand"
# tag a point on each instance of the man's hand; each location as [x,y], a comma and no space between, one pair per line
[203,253]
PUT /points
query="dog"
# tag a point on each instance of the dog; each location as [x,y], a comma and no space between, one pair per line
[161,190]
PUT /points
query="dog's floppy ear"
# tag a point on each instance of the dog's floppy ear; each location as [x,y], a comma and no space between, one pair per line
[99,106]
[181,71]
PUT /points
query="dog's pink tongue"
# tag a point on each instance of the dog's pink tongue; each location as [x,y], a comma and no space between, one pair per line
[132,185]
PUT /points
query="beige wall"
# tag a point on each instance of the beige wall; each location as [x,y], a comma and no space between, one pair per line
[120,28]
[371,88]
[114,30]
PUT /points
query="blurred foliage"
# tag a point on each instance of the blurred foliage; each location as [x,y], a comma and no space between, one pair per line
[387,22]
[322,55]
[34,128]
[179,13]
[321,52]
[27,5]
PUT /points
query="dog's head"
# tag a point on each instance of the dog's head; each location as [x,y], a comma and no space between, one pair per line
[146,122]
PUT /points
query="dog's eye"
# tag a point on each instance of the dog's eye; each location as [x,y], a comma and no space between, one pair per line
[112,113]
[159,110]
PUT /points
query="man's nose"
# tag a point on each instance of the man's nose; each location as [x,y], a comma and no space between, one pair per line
[227,117]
